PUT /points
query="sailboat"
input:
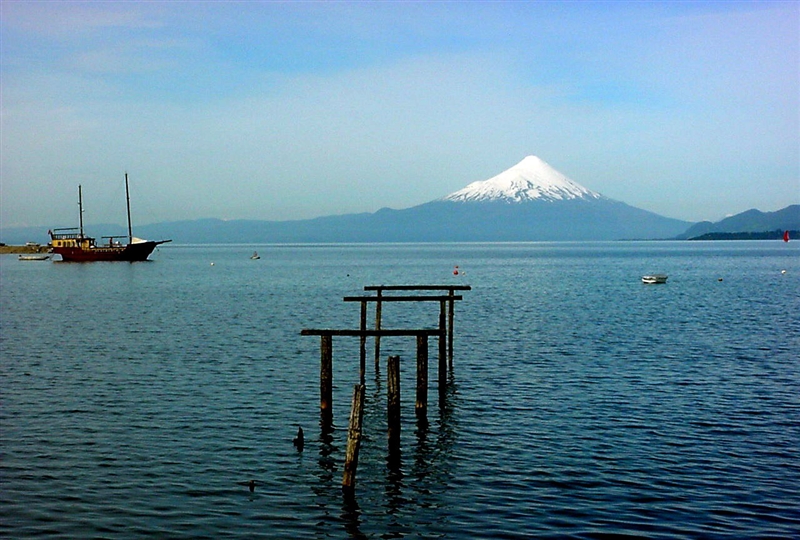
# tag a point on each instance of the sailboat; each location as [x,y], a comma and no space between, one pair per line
[74,246]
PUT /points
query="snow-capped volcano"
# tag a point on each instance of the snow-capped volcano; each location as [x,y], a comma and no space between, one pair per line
[530,179]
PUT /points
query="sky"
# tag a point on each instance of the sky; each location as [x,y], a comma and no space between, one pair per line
[294,110]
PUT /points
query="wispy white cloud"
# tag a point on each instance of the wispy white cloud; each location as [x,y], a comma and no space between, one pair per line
[71,21]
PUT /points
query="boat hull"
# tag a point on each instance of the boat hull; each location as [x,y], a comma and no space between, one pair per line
[128,253]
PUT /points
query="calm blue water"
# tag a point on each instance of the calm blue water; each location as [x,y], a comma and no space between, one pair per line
[135,397]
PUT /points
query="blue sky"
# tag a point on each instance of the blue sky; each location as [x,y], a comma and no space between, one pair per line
[289,110]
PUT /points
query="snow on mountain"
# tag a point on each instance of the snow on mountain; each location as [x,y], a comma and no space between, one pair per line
[530,179]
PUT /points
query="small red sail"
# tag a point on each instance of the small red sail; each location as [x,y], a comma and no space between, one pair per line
[785,236]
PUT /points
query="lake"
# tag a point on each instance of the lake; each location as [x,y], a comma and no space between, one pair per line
[135,398]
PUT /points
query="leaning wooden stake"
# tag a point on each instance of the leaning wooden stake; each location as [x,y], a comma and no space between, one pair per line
[326,379]
[393,395]
[353,441]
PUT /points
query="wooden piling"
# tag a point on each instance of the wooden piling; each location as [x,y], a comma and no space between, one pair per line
[393,399]
[442,348]
[422,377]
[363,343]
[353,441]
[378,306]
[450,319]
[326,379]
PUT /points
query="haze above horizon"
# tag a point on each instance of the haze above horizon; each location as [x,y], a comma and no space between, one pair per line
[277,111]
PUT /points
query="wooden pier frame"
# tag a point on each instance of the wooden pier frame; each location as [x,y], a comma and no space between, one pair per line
[445,334]
[451,297]
[445,330]
[326,362]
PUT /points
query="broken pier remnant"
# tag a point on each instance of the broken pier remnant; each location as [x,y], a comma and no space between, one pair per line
[445,334]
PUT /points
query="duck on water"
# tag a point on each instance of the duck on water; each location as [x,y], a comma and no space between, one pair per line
[75,246]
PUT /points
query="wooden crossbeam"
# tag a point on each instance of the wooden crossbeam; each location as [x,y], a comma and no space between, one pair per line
[417,288]
[371,333]
[421,298]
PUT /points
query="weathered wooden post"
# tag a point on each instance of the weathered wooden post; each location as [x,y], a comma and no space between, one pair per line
[421,406]
[353,441]
[442,347]
[326,379]
[363,342]
[450,319]
[378,305]
[393,400]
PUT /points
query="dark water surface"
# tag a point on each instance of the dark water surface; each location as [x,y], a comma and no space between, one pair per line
[135,397]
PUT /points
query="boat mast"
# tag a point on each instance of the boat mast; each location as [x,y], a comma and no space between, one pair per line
[128,200]
[80,209]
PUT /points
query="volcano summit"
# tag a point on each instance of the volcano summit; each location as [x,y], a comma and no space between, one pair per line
[531,179]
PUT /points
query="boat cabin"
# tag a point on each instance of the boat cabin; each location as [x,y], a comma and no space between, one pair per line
[70,238]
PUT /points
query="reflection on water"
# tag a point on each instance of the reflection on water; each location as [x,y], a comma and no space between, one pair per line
[351,517]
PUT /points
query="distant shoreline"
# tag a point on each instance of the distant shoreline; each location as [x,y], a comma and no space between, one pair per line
[768,235]
[4,250]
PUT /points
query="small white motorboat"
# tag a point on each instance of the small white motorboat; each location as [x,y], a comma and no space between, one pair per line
[652,279]
[34,257]
[255,256]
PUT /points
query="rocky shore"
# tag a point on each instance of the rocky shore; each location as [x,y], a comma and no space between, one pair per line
[24,249]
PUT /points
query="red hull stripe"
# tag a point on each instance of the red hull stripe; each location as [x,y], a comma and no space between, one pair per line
[129,253]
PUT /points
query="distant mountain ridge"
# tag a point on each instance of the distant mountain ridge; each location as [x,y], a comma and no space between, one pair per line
[531,201]
[750,221]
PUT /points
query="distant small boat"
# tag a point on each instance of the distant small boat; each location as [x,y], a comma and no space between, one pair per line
[654,278]
[785,236]
[34,257]
[255,256]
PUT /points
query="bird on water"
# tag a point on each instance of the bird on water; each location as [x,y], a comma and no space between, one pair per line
[299,441]
[251,484]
